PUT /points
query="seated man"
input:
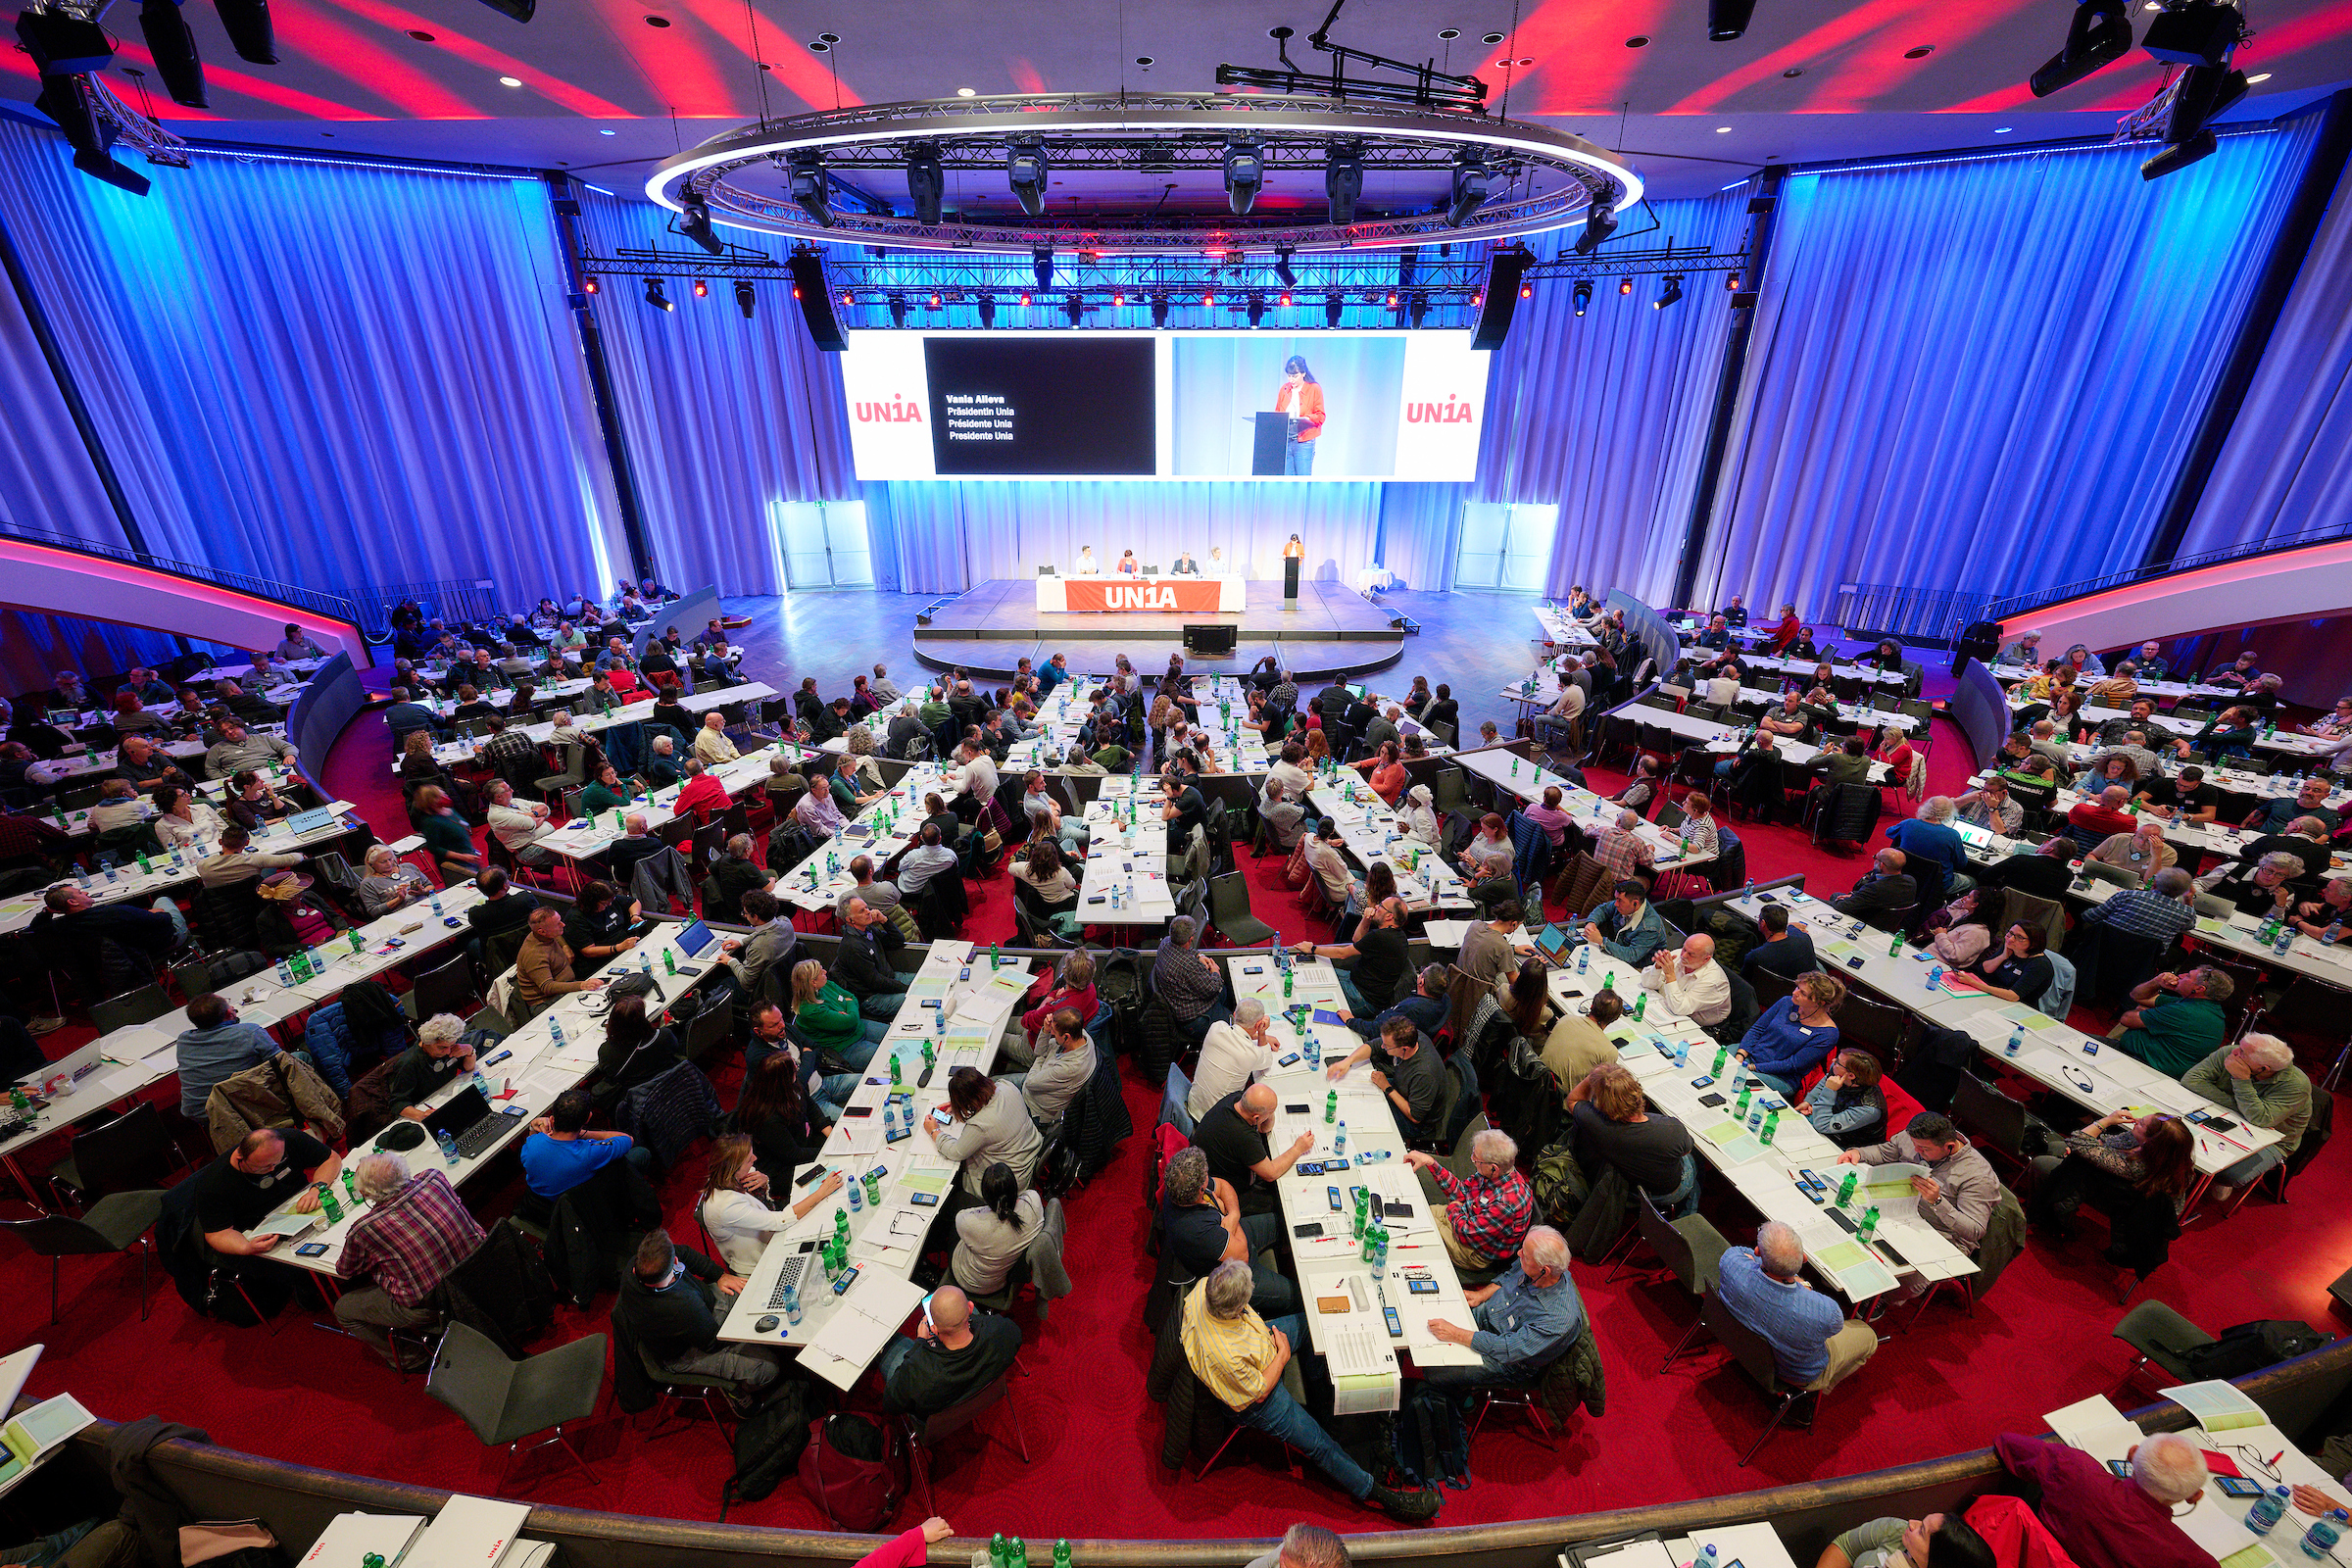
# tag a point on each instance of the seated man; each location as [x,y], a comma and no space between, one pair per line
[1486,1212]
[439,1055]
[217,1046]
[955,1355]
[1521,1323]
[1233,1135]
[1407,1073]
[1811,1339]
[671,1302]
[1234,1055]
[2093,822]
[866,963]
[1692,983]
[1883,888]
[1240,1356]
[2163,909]
[636,844]
[1188,982]
[1580,1042]
[1424,1009]
[1375,961]
[1930,837]
[245,1186]
[705,796]
[2258,1082]
[1627,928]
[2176,1020]
[929,856]
[2101,1520]
[1782,951]
[543,963]
[413,1235]
[1937,1540]
[560,1152]
[1958,1194]
[1202,1225]
[1063,1066]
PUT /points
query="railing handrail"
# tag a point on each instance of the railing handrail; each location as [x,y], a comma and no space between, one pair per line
[336,606]
[2002,609]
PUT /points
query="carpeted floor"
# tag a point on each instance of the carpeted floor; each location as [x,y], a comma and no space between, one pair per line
[2039,1341]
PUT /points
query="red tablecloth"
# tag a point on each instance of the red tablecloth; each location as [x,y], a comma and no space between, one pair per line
[1192,596]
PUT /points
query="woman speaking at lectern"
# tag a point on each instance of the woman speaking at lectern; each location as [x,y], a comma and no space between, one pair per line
[1301,398]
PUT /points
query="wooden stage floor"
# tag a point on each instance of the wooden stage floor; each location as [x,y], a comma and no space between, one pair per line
[989,627]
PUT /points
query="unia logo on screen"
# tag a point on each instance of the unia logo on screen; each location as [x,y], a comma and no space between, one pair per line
[1138,596]
[898,411]
[1453,411]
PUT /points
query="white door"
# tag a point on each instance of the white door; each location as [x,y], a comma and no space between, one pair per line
[821,544]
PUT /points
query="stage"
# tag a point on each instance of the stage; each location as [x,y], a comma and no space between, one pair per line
[990,628]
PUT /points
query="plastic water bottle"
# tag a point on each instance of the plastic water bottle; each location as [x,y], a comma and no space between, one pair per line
[2286,940]
[483,1084]
[1739,1108]
[1772,1127]
[1062,1555]
[1682,1052]
[2268,1510]
[2016,1038]
[449,1147]
[2332,935]
[1340,1142]
[1845,1188]
[285,973]
[1870,1223]
[1721,1055]
[2318,1541]
[791,1306]
[856,1192]
[554,1030]
[1641,1005]
[1331,1105]
[1935,976]
[328,1205]
[1755,1116]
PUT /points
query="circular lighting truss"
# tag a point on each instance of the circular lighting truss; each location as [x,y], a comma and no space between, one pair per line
[1156,175]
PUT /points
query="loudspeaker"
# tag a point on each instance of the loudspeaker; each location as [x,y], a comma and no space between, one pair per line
[1202,637]
[1501,298]
[816,302]
[1979,641]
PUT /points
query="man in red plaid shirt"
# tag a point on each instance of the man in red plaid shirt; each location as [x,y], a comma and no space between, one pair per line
[1488,1211]
[415,1232]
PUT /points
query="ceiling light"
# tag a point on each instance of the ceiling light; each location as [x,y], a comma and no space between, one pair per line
[1244,174]
[420,36]
[2002,131]
[1731,283]
[964,92]
[2196,34]
[898,310]
[1448,34]
[1025,173]
[1582,294]
[2259,76]
[1392,299]
[1723,130]
[608,133]
[1256,308]
[1600,221]
[1494,37]
[589,286]
[2202,93]
[1024,297]
[657,22]
[701,288]
[1208,299]
[694,221]
[1145,61]
[1469,186]
[1282,267]
[1793,73]
[934,302]
[1726,19]
[1670,293]
[2099,34]
[1160,310]
[1919,51]
[745,297]
[1342,180]
[1285,301]
[655,297]
[1040,262]
[1118,299]
[926,182]
[1074,308]
[510,81]
[1638,40]
[810,188]
[1625,285]
[1333,305]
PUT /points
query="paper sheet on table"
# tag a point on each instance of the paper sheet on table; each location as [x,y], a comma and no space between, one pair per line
[1636,1554]
[2081,1416]
[1858,1274]
[284,1225]
[860,1326]
[549,1081]
[1364,1394]
[926,1181]
[2218,1406]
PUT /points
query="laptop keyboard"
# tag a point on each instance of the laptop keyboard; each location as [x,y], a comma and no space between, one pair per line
[476,1139]
[788,1278]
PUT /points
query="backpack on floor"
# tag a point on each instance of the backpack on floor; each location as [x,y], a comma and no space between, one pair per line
[770,1441]
[854,1471]
[1432,1444]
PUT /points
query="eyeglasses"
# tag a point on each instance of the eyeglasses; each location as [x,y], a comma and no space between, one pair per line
[2249,1458]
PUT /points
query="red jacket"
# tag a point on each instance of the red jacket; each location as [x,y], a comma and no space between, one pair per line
[705,796]
[1311,406]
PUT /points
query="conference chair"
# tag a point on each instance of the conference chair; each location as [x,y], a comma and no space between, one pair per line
[2160,1336]
[446,988]
[109,1227]
[924,1437]
[1995,1122]
[127,1154]
[1753,1353]
[1229,912]
[141,1005]
[1172,1101]
[505,1402]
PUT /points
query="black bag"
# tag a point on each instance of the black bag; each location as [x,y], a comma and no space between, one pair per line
[2245,1347]
[636,983]
[1432,1444]
[768,1443]
[227,968]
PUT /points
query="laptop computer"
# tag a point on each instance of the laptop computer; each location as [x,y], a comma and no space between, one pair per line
[468,1119]
[54,1078]
[697,940]
[311,821]
[1552,944]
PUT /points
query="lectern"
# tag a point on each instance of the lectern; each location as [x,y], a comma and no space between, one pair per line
[1270,455]
[1290,582]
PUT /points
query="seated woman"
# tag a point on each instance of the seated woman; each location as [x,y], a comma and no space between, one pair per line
[1386,771]
[252,803]
[2111,769]
[289,919]
[1964,929]
[1525,998]
[992,1236]
[828,1016]
[1318,751]
[1611,1124]
[2015,972]
[390,884]
[2136,1171]
[1847,1105]
[1046,873]
[1072,985]
[1487,863]
[181,820]
[1419,816]
[987,1123]
[637,1049]
[607,792]
[736,1203]
[1795,1034]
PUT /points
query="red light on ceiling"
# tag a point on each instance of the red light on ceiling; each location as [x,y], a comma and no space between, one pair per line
[588,284]
[1024,296]
[796,294]
[1118,298]
[1731,283]
[1208,299]
[1625,285]
[702,289]
[935,302]
[1392,299]
[1527,291]
[846,298]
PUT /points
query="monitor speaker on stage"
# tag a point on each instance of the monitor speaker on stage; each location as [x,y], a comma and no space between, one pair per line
[1203,637]
[1501,299]
[816,302]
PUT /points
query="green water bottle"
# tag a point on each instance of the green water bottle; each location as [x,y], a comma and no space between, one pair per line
[893,1072]
[356,943]
[350,1188]
[1740,1107]
[1061,1553]
[1020,1552]
[1286,983]
[995,957]
[1845,1188]
[1895,948]
[1641,1005]
[1331,1105]
[669,962]
[327,1205]
[1870,1223]
[1772,1126]
[999,1555]
[930,1056]
[1723,1055]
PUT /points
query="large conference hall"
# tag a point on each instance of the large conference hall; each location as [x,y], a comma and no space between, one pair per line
[1509,783]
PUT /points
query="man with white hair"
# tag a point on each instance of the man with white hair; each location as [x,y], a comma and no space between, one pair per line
[2257,1081]
[885,690]
[1306,1547]
[662,766]
[1812,1342]
[1928,839]
[1521,1323]
[1486,1212]
[2104,1521]
[1692,983]
[1234,1054]
[414,1234]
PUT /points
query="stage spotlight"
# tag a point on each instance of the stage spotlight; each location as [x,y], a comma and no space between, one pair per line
[1726,19]
[174,48]
[810,188]
[1469,186]
[1281,269]
[926,182]
[1600,221]
[1333,305]
[655,297]
[1160,310]
[1582,294]
[589,284]
[2099,34]
[934,302]
[66,50]
[246,23]
[1625,285]
[1417,309]
[701,288]
[1527,291]
[1074,308]
[2194,32]
[898,310]
[1209,300]
[1669,294]
[988,310]
[745,299]
[1025,173]
[1024,299]
[1245,175]
[1256,308]
[2202,92]
[694,221]
[1040,262]
[1285,301]
[1342,180]
[1391,302]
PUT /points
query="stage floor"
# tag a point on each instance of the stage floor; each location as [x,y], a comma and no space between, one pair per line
[991,626]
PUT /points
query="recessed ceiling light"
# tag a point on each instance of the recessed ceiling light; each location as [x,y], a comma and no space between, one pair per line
[2260,76]
[1449,33]
[1144,59]
[1640,40]
[963,92]
[1919,51]
[1794,71]
[1722,130]
[1494,37]
[510,81]
[608,133]
[818,46]
[2153,5]
[828,37]
[2001,130]
[657,22]
[420,36]
[1525,61]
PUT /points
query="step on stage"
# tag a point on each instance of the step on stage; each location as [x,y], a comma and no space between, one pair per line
[989,628]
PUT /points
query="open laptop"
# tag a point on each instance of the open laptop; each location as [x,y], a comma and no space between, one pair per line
[55,1078]
[311,821]
[697,940]
[468,1119]
[1554,944]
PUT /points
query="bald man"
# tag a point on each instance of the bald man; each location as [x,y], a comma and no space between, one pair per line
[955,1355]
[1884,886]
[1233,1135]
[1692,983]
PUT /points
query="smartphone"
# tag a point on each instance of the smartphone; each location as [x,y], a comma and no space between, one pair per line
[941,1114]
[2090,1048]
[965,975]
[1704,1081]
[2120,1467]
[1310,1228]
[1335,1199]
[858,1110]
[922,1199]
[812,1174]
[495,1061]
[311,1250]
[1712,1101]
[1290,1060]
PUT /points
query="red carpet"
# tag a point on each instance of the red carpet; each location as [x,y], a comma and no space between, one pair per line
[2038,1342]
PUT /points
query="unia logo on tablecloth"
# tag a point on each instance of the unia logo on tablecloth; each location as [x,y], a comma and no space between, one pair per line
[1140,596]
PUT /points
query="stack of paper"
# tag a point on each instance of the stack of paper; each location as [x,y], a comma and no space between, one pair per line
[350,1537]
[2218,1406]
[470,1532]
[32,1436]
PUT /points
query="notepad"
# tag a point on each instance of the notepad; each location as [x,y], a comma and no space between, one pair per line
[2218,1406]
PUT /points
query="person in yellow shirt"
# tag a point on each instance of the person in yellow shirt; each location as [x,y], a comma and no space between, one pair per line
[710,743]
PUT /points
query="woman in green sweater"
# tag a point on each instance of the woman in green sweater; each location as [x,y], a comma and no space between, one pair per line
[604,793]
[827,1015]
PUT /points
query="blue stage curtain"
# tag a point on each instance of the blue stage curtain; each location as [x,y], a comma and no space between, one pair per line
[724,419]
[947,534]
[1982,373]
[1605,414]
[34,647]
[1420,529]
[324,373]
[2286,469]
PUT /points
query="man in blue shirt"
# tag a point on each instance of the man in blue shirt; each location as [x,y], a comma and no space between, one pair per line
[1521,1323]
[1627,928]
[404,716]
[1812,1341]
[560,1152]
[2275,816]
[1931,838]
[217,1049]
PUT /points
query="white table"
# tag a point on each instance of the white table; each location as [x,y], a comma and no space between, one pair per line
[1368,828]
[464,749]
[1126,855]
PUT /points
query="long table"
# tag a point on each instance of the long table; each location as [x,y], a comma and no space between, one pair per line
[887,1234]
[2089,1071]
[1723,740]
[1368,828]
[1545,690]
[463,749]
